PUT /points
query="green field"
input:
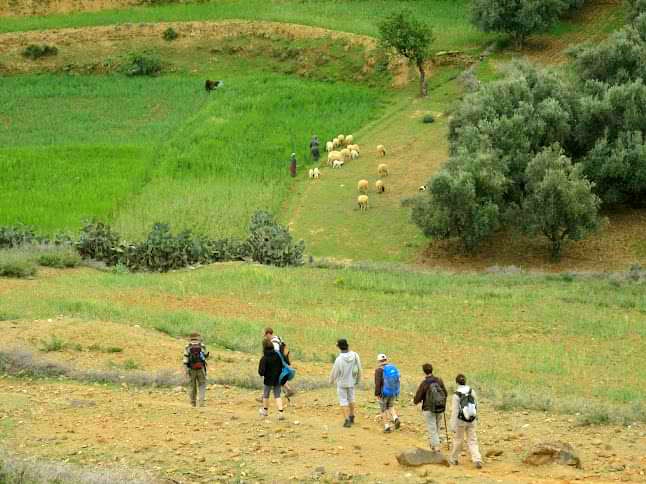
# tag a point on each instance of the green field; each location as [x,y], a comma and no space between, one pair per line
[140,151]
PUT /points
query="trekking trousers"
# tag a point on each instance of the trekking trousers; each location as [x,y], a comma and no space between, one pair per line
[472,441]
[433,423]
[196,384]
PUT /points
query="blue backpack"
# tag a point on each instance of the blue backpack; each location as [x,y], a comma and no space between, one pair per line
[391,381]
[287,373]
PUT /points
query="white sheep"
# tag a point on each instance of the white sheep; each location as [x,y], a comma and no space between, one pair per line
[354,154]
[379,186]
[349,139]
[337,163]
[341,139]
[334,155]
[335,143]
[362,201]
[317,173]
[354,147]
[346,154]
[382,170]
[311,173]
[381,151]
[329,146]
[362,186]
[422,188]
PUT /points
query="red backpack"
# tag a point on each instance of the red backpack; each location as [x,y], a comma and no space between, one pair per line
[196,359]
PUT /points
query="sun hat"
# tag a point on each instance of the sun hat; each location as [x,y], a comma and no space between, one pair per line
[381,357]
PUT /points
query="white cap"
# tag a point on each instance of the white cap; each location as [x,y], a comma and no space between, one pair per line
[381,357]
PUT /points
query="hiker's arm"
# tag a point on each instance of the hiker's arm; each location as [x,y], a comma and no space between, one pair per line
[419,396]
[185,359]
[205,351]
[379,382]
[333,374]
[262,367]
[359,370]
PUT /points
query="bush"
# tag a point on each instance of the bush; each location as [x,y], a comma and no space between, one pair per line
[60,257]
[98,241]
[270,243]
[17,235]
[170,34]
[428,119]
[33,51]
[54,344]
[16,263]
[143,64]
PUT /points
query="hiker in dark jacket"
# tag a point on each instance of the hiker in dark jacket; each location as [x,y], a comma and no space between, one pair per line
[386,403]
[195,356]
[432,410]
[314,148]
[270,368]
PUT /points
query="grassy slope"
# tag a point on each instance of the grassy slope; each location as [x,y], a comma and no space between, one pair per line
[559,337]
[453,29]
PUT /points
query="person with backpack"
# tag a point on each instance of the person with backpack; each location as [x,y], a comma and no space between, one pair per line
[270,368]
[346,374]
[281,347]
[195,356]
[387,391]
[463,421]
[432,394]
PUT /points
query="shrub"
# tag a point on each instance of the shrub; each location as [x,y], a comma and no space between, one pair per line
[17,235]
[16,263]
[33,51]
[53,344]
[270,243]
[130,364]
[143,64]
[428,119]
[60,257]
[98,241]
[170,34]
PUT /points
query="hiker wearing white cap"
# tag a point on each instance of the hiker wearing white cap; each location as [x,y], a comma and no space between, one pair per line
[387,391]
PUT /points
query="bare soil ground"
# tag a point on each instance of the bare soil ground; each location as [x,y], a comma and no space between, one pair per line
[156,429]
[45,7]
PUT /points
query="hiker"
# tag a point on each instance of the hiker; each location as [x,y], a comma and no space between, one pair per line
[387,391]
[195,356]
[292,165]
[432,395]
[314,148]
[346,373]
[281,347]
[463,421]
[270,367]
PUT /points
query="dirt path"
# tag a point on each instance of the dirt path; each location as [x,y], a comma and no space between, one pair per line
[46,7]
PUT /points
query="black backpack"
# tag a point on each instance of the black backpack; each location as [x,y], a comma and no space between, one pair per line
[435,397]
[196,358]
[468,407]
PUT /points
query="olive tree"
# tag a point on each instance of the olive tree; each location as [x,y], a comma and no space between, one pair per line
[559,203]
[410,38]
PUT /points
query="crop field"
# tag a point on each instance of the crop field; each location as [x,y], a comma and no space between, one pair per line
[141,151]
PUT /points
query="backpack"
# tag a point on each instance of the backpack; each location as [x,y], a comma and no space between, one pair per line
[391,381]
[196,358]
[435,397]
[287,373]
[467,406]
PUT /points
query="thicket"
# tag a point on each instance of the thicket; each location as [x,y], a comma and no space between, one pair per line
[35,51]
[543,152]
[143,64]
[268,243]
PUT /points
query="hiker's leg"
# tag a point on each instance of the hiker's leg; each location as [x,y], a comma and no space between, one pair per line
[431,424]
[201,381]
[457,443]
[279,401]
[351,403]
[192,386]
[343,402]
[266,390]
[385,412]
[472,442]
[438,426]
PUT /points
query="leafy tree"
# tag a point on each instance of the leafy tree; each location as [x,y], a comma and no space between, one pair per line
[634,8]
[518,18]
[410,38]
[559,204]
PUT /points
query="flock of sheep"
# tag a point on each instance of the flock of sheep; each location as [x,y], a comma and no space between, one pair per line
[336,158]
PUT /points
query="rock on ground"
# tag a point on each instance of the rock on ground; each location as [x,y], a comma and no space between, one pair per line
[559,452]
[419,457]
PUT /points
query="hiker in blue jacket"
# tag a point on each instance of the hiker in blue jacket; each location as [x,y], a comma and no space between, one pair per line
[387,391]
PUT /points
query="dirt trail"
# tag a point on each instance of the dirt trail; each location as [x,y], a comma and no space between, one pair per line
[156,430]
[10,8]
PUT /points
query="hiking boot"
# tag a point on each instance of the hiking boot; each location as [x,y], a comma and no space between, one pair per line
[478,465]
[347,423]
[397,423]
[351,418]
[263,412]
[453,462]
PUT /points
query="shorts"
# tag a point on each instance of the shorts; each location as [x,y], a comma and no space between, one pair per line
[346,395]
[386,403]
[267,389]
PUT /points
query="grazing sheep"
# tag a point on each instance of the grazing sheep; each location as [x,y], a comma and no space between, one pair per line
[317,173]
[381,151]
[334,155]
[362,186]
[346,154]
[382,170]
[354,147]
[341,139]
[379,186]
[349,139]
[337,163]
[329,146]
[422,188]
[335,143]
[311,173]
[362,201]
[354,154]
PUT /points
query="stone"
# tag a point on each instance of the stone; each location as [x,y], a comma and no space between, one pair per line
[418,457]
[557,452]
[494,453]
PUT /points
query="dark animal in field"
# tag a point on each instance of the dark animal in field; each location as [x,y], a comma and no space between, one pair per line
[210,85]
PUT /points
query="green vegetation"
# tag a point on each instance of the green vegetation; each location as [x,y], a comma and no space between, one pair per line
[16,263]
[33,51]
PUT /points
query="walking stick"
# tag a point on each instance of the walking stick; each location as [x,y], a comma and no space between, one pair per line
[446,429]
